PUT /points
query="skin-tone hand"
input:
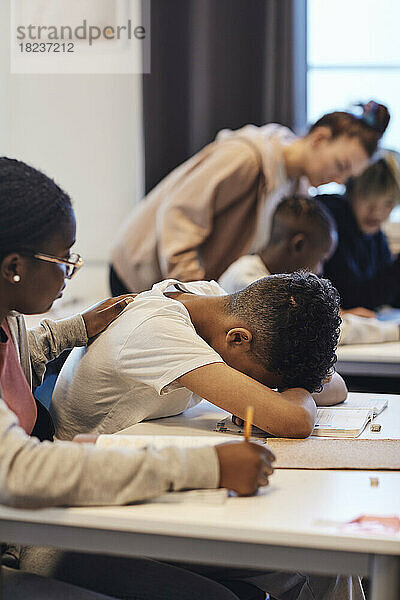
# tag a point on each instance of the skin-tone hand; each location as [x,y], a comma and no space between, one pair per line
[100,315]
[244,466]
[360,311]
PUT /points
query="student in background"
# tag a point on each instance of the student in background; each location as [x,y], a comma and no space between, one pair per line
[303,236]
[218,205]
[362,267]
[37,230]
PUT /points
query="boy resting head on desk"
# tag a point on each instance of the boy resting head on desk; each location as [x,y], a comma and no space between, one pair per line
[178,343]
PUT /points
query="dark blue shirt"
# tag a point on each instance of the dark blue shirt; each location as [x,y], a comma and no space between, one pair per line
[362,268]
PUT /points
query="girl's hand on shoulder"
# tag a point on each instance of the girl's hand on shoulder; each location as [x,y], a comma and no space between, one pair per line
[100,315]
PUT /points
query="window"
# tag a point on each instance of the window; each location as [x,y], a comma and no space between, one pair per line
[354,55]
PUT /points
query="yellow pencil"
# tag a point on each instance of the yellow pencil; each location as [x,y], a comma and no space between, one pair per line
[248,423]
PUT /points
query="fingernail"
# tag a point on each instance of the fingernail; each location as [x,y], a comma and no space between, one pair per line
[128,300]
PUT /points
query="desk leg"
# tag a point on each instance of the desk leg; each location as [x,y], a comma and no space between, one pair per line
[385,577]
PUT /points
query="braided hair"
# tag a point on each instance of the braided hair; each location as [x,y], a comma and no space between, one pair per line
[295,324]
[32,206]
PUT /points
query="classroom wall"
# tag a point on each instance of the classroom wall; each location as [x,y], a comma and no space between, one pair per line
[86,132]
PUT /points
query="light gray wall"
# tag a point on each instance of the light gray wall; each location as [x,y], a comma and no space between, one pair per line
[85,132]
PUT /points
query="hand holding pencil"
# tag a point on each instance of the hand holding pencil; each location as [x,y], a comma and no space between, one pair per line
[245,467]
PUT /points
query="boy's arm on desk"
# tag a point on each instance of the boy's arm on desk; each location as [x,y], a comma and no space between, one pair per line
[333,392]
[284,414]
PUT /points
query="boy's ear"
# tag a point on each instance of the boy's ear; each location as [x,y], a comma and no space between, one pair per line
[239,336]
[297,243]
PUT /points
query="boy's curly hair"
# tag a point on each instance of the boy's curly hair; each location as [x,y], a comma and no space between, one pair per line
[295,324]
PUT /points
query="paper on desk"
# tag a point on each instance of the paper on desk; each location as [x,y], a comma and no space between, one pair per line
[366,525]
[377,405]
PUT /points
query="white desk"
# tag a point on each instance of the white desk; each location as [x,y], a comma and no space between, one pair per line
[202,419]
[380,360]
[294,524]
[291,525]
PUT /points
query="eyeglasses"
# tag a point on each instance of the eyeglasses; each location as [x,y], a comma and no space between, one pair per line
[72,265]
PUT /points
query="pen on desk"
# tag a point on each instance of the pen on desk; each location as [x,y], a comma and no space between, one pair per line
[248,423]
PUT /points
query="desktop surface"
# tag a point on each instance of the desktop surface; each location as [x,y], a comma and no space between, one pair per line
[298,508]
[202,419]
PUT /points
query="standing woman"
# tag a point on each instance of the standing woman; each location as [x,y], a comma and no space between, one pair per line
[37,231]
[218,205]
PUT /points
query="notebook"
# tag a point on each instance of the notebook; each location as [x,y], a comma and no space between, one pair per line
[347,420]
[375,404]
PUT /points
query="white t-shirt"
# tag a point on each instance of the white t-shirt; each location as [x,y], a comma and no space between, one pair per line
[244,271]
[129,372]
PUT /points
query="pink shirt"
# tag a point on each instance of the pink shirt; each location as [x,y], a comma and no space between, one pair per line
[15,390]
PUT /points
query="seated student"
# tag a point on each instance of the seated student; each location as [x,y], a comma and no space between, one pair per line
[168,349]
[362,267]
[304,235]
[37,230]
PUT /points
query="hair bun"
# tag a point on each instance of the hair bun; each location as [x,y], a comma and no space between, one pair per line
[375,115]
